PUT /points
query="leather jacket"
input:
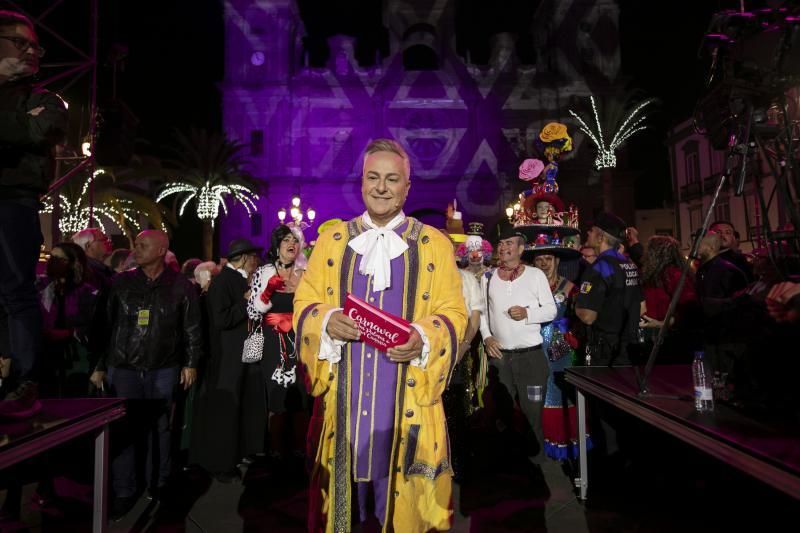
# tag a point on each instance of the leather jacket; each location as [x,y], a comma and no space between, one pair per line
[154,324]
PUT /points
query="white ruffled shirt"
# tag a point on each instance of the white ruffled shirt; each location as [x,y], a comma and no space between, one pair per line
[377,246]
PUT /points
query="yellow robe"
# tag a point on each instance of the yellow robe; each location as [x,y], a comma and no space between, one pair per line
[420,484]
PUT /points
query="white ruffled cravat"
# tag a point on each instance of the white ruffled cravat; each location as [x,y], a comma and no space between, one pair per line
[377,247]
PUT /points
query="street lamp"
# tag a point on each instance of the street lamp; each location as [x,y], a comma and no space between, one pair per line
[296,213]
[512,210]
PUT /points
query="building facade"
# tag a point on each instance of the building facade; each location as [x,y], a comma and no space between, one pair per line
[467,127]
[696,168]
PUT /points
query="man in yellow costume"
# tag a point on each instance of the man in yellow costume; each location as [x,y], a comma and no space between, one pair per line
[383,445]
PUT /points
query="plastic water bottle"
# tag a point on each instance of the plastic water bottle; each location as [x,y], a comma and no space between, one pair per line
[703,392]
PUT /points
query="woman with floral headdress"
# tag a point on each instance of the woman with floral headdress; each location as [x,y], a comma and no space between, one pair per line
[559,419]
[272,304]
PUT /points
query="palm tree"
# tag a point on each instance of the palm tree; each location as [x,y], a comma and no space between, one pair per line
[211,168]
[622,119]
[106,198]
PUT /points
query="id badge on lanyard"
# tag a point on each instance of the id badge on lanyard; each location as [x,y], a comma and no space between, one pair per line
[143,318]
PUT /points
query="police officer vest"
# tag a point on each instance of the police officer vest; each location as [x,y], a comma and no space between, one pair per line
[619,315]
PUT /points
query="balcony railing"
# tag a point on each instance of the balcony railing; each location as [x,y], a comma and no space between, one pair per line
[691,191]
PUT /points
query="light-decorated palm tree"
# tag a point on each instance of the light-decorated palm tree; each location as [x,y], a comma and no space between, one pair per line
[107,198]
[622,118]
[211,169]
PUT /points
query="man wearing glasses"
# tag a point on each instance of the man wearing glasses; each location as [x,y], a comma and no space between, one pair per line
[32,122]
[97,246]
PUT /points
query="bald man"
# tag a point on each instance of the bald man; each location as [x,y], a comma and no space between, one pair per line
[155,343]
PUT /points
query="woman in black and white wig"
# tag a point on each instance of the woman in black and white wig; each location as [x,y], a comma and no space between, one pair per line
[271,304]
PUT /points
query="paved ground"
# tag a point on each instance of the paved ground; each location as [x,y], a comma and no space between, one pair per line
[663,486]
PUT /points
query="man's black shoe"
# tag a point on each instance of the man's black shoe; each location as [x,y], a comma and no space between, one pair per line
[22,402]
[120,507]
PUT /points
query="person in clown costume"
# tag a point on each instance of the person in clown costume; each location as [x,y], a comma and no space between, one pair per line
[475,253]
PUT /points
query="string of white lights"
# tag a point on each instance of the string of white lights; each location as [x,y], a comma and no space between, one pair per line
[633,123]
[76,215]
[210,198]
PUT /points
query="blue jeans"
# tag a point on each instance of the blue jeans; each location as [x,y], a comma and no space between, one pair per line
[146,420]
[20,318]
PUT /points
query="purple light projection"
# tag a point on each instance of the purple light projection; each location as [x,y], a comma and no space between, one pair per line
[466,128]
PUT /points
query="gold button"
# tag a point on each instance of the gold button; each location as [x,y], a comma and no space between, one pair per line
[337,236]
[441,378]
[431,267]
[411,382]
[330,435]
[315,312]
[436,323]
[330,262]
[371,298]
[426,239]
[306,341]
[363,413]
[409,413]
[442,352]
[330,376]
[397,494]
[425,295]
[330,291]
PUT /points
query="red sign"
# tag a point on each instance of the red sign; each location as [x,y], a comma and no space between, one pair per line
[378,328]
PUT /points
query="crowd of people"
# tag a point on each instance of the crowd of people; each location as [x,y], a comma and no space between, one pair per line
[257,356]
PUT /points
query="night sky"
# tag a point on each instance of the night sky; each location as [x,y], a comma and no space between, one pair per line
[174,63]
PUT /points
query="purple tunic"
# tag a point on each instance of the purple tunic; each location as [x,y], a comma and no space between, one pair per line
[373,388]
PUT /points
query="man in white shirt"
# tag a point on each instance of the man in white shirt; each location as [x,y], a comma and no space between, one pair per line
[518,301]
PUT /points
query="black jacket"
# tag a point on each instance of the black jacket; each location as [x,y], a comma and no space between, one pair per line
[27,140]
[719,278]
[101,274]
[227,312]
[168,335]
